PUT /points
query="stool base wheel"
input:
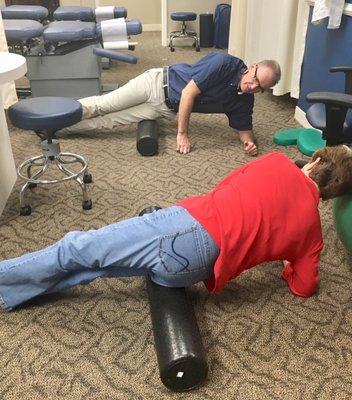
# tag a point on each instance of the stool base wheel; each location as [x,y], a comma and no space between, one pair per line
[87,205]
[25,210]
[87,178]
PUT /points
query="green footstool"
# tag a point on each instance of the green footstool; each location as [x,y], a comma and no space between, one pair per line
[307,140]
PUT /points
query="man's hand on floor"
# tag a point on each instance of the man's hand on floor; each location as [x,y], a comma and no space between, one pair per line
[183,144]
[247,139]
[250,148]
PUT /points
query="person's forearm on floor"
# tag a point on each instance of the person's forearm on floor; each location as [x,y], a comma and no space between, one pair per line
[184,114]
[189,93]
[248,140]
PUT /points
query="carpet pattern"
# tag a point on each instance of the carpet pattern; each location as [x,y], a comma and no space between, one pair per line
[96,342]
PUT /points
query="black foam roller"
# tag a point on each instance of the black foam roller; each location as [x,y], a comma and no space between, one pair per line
[206,30]
[178,344]
[149,210]
[147,137]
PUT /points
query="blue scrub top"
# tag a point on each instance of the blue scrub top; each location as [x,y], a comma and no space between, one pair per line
[217,76]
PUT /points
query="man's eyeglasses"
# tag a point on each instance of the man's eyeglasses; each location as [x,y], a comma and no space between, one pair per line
[257,80]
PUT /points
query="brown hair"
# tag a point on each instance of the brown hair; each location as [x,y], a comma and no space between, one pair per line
[333,173]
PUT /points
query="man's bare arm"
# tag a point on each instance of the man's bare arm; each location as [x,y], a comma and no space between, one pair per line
[247,138]
[189,93]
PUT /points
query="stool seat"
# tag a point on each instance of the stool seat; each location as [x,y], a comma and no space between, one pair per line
[45,113]
[183,16]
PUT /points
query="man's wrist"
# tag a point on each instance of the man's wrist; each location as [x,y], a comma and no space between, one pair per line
[182,133]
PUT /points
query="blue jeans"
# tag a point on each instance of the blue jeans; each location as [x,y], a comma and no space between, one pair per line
[169,245]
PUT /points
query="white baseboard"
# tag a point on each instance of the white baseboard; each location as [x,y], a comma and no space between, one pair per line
[300,116]
[151,27]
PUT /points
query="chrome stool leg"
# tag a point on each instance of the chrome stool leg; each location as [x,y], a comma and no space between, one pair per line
[25,208]
[81,179]
[87,177]
[52,155]
[29,174]
[171,45]
[183,34]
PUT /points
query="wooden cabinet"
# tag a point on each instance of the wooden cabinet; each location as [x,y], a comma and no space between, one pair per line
[51,5]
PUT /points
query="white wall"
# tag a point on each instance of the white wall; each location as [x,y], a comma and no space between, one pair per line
[147,11]
[197,6]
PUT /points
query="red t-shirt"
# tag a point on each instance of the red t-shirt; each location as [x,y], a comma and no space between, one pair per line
[264,211]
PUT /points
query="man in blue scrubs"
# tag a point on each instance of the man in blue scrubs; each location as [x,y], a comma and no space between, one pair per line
[217,83]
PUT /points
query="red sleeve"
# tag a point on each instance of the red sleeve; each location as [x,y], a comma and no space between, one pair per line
[302,276]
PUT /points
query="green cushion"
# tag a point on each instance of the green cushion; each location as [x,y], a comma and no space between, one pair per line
[342,207]
[310,140]
[287,137]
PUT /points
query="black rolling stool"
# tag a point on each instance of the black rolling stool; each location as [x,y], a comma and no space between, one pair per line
[183,33]
[45,116]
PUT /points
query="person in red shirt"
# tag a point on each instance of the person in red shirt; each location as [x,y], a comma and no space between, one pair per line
[266,210]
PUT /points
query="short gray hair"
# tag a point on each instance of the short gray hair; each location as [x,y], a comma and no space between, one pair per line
[274,66]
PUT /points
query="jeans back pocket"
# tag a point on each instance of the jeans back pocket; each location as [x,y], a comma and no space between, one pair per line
[182,252]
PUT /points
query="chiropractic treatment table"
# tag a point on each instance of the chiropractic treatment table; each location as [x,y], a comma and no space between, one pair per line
[64,57]
[64,13]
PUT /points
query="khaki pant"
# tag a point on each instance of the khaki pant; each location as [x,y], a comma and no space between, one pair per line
[141,98]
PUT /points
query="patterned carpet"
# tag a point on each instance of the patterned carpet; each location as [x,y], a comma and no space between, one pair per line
[96,342]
